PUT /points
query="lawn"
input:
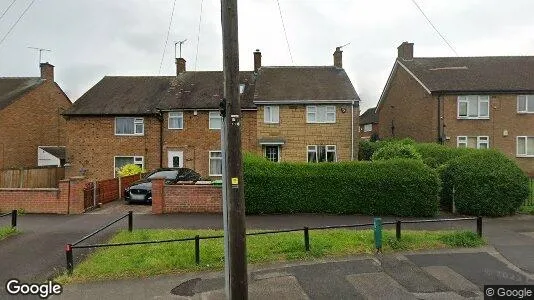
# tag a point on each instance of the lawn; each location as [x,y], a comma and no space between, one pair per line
[167,258]
[7,231]
[527,209]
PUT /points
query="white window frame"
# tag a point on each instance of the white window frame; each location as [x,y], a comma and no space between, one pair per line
[328,148]
[214,158]
[137,160]
[213,115]
[265,151]
[176,115]
[313,110]
[367,127]
[271,114]
[481,139]
[526,98]
[525,137]
[136,122]
[481,100]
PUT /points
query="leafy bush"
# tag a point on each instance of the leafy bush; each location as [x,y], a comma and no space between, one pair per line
[396,150]
[397,187]
[366,149]
[129,169]
[485,183]
[435,155]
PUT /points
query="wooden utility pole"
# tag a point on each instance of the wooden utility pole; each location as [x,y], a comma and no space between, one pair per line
[233,193]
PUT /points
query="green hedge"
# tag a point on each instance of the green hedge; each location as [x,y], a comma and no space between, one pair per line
[436,155]
[485,183]
[396,150]
[393,187]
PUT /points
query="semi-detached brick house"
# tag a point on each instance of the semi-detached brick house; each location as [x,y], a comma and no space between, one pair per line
[479,102]
[30,117]
[369,124]
[288,114]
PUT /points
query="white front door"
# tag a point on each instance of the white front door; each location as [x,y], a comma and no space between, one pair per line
[176,159]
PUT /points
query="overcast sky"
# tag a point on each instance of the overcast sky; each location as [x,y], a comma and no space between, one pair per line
[94,38]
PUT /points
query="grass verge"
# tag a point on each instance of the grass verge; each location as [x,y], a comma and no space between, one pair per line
[6,231]
[166,258]
[527,209]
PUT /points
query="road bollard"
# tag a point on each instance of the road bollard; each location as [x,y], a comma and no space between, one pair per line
[378,234]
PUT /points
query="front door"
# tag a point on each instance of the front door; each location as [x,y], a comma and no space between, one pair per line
[176,159]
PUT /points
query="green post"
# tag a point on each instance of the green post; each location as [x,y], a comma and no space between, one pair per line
[378,234]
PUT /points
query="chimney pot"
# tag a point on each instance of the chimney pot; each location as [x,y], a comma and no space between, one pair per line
[47,71]
[180,66]
[257,60]
[405,51]
[338,58]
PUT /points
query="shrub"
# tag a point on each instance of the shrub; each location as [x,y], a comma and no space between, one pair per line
[129,169]
[485,183]
[396,150]
[397,187]
[366,149]
[435,155]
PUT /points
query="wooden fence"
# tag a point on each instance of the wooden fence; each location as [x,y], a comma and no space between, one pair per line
[38,177]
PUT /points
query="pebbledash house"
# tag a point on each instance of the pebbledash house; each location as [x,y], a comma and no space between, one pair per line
[289,113]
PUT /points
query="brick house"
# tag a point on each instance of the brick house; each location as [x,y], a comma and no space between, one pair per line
[30,118]
[289,114]
[479,102]
[369,124]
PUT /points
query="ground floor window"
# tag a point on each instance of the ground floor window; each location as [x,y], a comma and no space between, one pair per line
[319,153]
[272,153]
[478,142]
[121,161]
[215,163]
[525,146]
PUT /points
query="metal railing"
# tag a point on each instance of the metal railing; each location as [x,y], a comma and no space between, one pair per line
[13,215]
[69,247]
[305,230]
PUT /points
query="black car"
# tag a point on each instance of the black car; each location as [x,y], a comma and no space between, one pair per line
[141,191]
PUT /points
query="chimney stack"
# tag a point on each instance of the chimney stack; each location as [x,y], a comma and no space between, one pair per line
[338,58]
[257,60]
[180,66]
[405,51]
[47,71]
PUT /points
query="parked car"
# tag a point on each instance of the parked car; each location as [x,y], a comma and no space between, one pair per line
[141,190]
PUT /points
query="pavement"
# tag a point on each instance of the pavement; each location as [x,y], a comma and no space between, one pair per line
[37,254]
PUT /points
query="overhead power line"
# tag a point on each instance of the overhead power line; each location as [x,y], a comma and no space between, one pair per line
[198,33]
[430,22]
[5,11]
[167,38]
[285,32]
[16,22]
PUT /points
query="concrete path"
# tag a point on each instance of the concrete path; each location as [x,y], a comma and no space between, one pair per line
[458,274]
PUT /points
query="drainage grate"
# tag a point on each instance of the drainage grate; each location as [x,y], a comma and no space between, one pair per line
[186,288]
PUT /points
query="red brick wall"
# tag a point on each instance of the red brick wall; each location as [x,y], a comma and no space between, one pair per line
[192,198]
[411,110]
[68,198]
[31,121]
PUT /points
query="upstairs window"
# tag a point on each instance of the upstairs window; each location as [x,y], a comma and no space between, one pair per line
[271,114]
[317,153]
[473,107]
[129,126]
[367,127]
[478,142]
[525,104]
[176,120]
[320,114]
[215,120]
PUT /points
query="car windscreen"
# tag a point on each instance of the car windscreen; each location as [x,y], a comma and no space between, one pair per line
[171,174]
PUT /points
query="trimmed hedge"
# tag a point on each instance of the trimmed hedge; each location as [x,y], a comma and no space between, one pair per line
[393,187]
[396,150]
[486,183]
[436,155]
